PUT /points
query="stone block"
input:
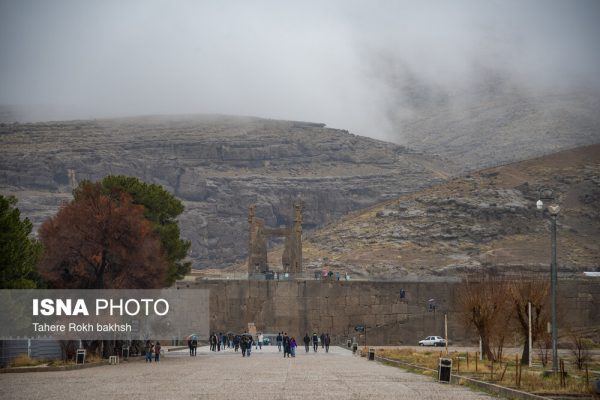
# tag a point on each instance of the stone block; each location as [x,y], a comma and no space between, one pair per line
[233,290]
[352,301]
[285,289]
[380,309]
[314,315]
[312,303]
[335,289]
[349,310]
[399,308]
[313,289]
[365,299]
[338,300]
[326,324]
[369,320]
[284,306]
[340,323]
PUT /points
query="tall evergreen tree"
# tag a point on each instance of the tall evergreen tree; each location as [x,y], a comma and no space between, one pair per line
[19,252]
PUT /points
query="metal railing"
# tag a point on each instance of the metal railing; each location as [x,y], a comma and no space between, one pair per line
[318,276]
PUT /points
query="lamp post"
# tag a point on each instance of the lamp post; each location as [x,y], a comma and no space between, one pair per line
[554,209]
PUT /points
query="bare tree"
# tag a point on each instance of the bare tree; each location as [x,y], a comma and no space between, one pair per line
[522,292]
[544,344]
[580,348]
[485,305]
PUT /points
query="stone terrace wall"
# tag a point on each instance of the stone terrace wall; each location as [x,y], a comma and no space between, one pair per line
[337,307]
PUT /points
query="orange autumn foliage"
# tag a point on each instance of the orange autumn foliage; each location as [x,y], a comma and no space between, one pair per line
[101,242]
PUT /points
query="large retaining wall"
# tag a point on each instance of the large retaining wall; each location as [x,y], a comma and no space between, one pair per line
[337,307]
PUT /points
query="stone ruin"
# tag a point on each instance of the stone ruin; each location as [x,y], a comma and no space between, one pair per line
[258,235]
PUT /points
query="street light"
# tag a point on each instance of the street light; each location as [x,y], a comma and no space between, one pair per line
[554,209]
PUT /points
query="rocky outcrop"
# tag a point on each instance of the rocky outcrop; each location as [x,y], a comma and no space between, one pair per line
[218,166]
[486,220]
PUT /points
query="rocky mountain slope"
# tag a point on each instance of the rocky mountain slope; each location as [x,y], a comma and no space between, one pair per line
[218,166]
[486,220]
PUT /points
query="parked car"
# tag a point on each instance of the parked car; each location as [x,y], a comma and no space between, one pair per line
[432,341]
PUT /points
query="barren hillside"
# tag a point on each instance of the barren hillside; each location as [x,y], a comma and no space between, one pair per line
[218,166]
[486,220]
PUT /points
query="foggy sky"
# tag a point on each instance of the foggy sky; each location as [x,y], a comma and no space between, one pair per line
[344,63]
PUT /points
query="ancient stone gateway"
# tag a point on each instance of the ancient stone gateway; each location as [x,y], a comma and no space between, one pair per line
[291,259]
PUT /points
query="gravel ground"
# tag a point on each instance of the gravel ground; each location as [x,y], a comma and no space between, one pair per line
[227,375]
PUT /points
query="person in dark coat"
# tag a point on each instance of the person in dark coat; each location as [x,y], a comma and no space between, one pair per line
[236,342]
[249,344]
[287,350]
[213,342]
[157,352]
[315,339]
[322,340]
[327,341]
[243,344]
[307,342]
[194,345]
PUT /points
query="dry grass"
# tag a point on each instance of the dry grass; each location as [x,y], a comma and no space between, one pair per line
[23,360]
[503,373]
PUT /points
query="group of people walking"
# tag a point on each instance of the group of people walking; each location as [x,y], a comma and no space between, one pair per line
[245,341]
[220,341]
[289,344]
[152,349]
[324,339]
[241,342]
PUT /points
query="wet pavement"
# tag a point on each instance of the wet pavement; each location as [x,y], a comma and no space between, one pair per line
[265,375]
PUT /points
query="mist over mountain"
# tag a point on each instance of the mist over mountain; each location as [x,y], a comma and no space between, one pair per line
[375,69]
[498,123]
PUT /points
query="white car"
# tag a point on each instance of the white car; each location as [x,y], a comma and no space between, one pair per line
[432,341]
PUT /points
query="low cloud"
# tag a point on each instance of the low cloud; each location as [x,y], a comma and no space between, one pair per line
[359,65]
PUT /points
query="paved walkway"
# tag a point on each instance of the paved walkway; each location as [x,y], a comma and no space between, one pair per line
[265,375]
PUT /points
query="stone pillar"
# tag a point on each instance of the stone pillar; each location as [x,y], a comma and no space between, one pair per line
[257,243]
[251,238]
[297,239]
